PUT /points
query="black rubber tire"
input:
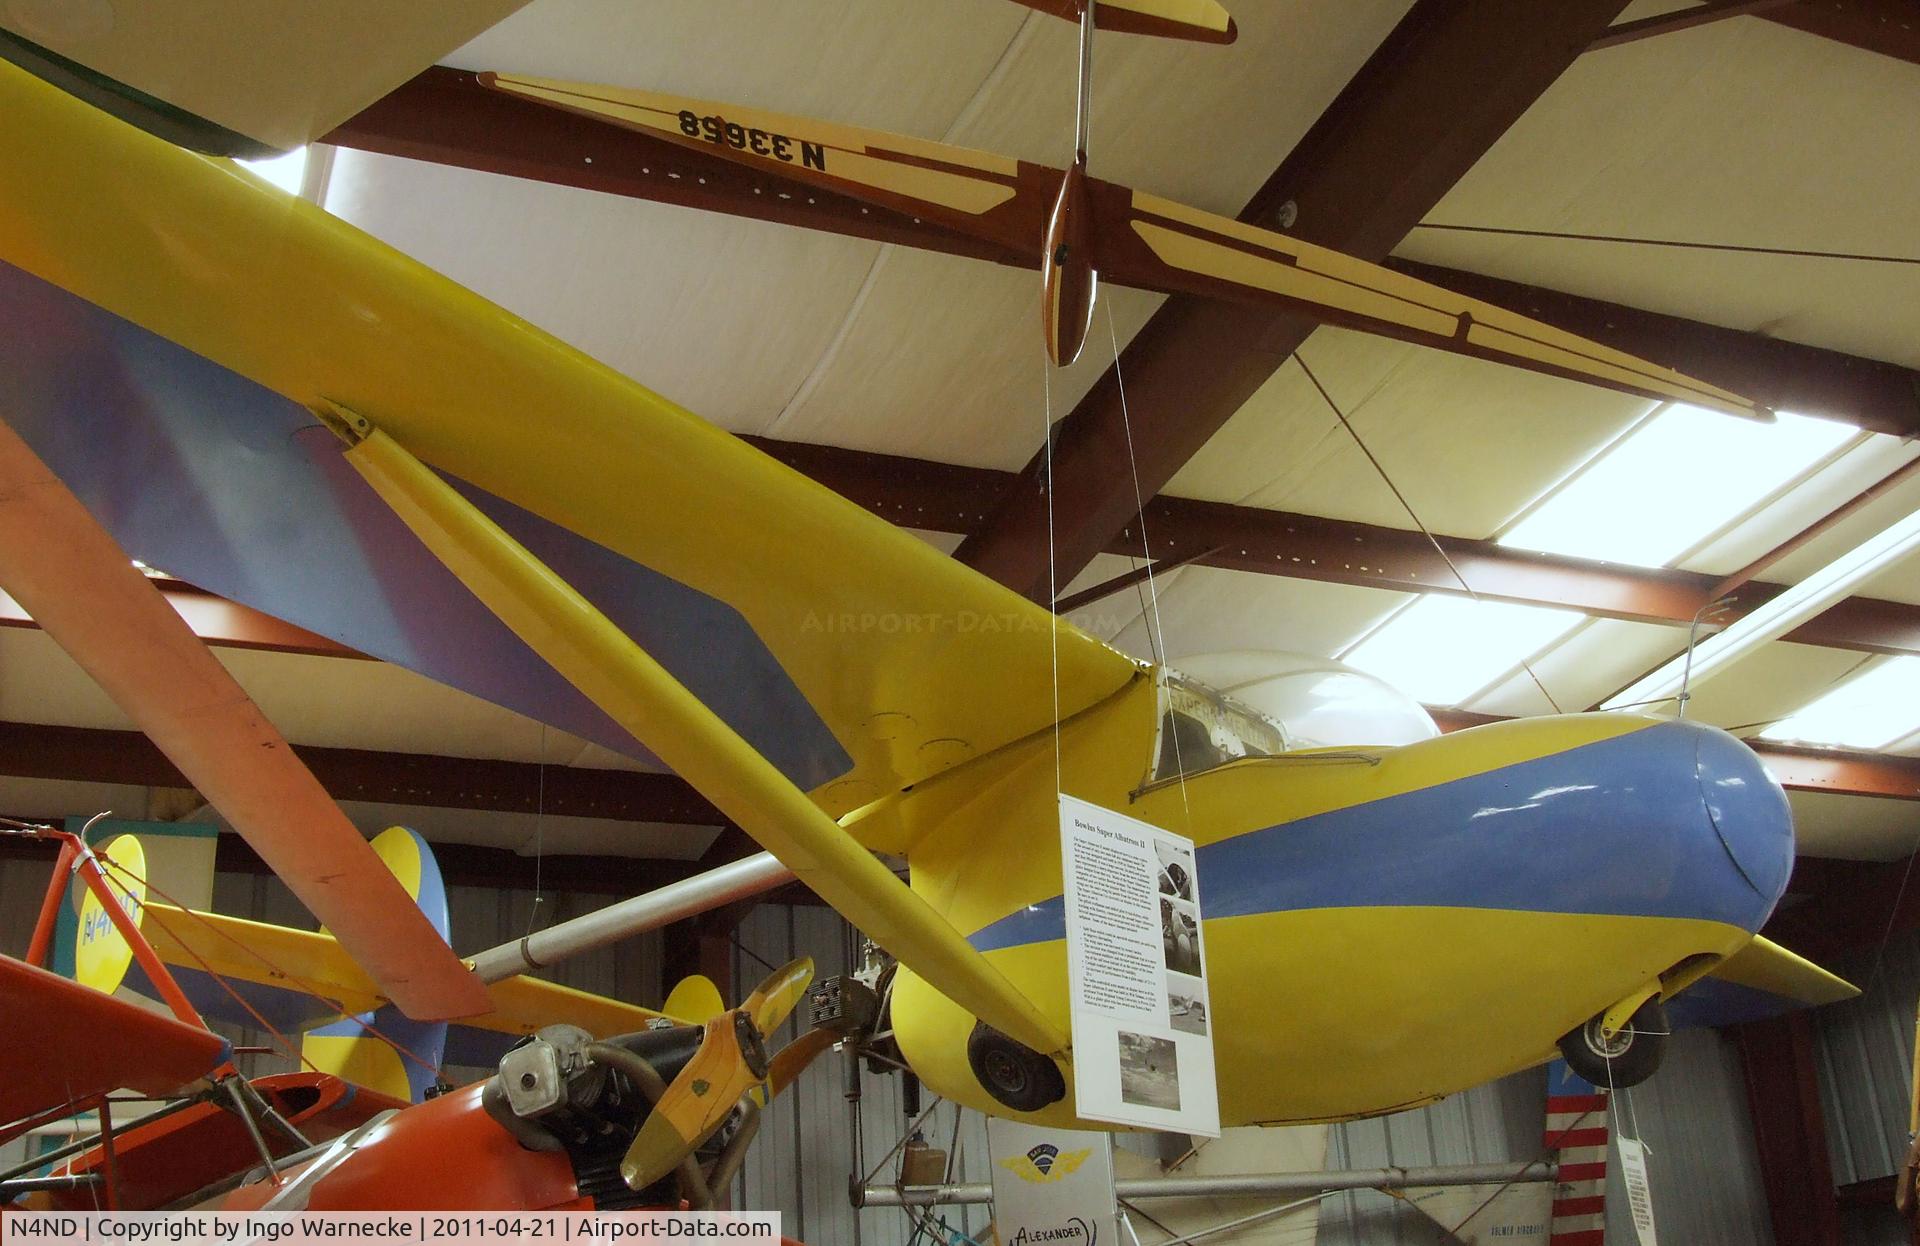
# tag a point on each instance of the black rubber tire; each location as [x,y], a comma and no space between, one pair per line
[1635,1053]
[1015,1075]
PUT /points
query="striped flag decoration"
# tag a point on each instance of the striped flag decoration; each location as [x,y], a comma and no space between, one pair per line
[1577,1129]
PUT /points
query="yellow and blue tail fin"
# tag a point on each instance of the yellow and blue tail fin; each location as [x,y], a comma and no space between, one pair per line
[694,1000]
[385,1050]
[101,954]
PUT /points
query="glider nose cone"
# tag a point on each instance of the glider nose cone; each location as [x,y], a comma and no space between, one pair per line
[1746,809]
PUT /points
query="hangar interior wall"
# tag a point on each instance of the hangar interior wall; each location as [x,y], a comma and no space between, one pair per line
[1693,1115]
[1863,1050]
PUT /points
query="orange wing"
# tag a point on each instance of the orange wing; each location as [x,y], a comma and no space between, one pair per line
[60,1041]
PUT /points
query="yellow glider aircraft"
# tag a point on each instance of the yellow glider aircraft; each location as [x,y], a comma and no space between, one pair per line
[188,349]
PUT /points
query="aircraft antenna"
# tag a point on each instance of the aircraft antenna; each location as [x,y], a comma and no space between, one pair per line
[1709,613]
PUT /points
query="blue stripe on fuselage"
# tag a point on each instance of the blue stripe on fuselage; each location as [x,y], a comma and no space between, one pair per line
[1618,826]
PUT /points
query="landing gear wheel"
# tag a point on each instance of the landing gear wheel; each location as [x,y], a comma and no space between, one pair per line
[1628,1058]
[1014,1074]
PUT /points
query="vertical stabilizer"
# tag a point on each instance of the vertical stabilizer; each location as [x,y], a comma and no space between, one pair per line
[385,1050]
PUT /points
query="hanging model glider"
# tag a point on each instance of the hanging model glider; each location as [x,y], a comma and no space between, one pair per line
[1075,228]
[1384,925]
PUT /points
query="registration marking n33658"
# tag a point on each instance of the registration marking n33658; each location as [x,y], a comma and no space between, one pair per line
[717,129]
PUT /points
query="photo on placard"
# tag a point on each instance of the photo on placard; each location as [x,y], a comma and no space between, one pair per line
[1149,1071]
[1186,1009]
[1176,869]
[1180,935]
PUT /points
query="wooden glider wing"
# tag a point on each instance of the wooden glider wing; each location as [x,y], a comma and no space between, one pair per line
[1200,21]
[1171,247]
[173,387]
[1138,239]
[975,192]
[61,1041]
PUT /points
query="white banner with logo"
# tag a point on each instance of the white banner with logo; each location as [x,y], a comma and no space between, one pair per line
[1136,964]
[1051,1187]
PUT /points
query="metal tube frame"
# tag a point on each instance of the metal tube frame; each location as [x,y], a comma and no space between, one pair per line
[1239,1185]
[689,897]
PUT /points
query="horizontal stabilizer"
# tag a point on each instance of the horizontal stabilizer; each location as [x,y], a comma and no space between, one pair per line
[282,971]
[523,1005]
[293,978]
[1759,981]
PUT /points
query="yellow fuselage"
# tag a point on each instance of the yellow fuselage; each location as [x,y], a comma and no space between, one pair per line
[1382,930]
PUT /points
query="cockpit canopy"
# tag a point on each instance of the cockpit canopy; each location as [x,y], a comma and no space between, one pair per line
[1220,707]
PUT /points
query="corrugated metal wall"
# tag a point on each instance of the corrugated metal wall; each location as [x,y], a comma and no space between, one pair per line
[1701,1161]
[22,883]
[1865,1053]
[1864,1050]
[1503,1120]
[1692,1116]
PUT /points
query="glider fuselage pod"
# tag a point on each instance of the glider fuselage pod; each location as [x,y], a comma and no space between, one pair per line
[1382,927]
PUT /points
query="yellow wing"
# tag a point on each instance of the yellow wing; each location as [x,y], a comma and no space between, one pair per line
[874,660]
[523,1005]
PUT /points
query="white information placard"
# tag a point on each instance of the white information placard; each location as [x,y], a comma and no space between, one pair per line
[1633,1175]
[1136,966]
[1051,1185]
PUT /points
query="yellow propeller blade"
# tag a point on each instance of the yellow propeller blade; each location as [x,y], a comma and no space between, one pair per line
[795,1058]
[730,1060]
[774,1000]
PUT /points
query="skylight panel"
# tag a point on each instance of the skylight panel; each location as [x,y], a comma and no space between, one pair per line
[1873,710]
[285,171]
[1673,482]
[1442,650]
